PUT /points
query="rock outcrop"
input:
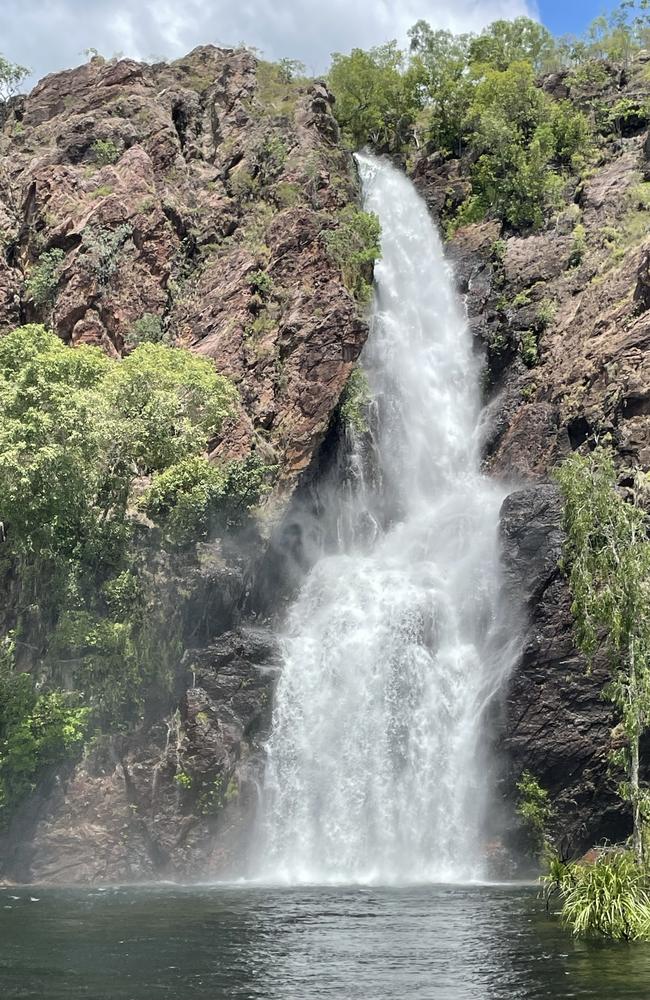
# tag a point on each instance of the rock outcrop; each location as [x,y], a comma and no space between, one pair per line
[169,189]
[187,203]
[557,726]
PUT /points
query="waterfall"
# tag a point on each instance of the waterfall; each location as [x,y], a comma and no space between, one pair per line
[376,767]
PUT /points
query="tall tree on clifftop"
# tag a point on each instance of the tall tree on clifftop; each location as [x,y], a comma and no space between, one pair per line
[607,554]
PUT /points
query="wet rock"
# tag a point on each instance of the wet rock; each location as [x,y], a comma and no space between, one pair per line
[557,724]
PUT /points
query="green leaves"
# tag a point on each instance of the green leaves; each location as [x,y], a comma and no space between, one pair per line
[43,277]
[376,101]
[609,898]
[355,245]
[187,498]
[167,404]
[36,731]
[79,433]
[11,77]
[534,809]
[607,554]
[524,140]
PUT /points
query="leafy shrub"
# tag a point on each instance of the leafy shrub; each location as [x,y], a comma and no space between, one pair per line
[103,248]
[242,185]
[355,246]
[609,898]
[147,330]
[528,348]
[246,482]
[522,139]
[286,194]
[545,314]
[262,283]
[167,405]
[77,431]
[37,730]
[43,277]
[354,400]
[188,497]
[105,151]
[534,809]
[184,496]
[578,247]
[270,158]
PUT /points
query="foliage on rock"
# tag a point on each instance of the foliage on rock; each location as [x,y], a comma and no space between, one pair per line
[79,434]
[355,244]
[607,557]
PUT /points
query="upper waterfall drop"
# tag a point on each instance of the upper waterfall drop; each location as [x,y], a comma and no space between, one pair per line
[395,645]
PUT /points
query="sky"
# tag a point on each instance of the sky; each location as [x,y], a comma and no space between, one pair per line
[48,35]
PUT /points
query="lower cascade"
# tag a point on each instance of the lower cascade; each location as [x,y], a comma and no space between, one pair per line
[378,764]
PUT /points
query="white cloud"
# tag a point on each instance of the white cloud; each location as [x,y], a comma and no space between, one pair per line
[51,34]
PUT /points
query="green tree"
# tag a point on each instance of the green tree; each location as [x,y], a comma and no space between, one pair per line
[11,77]
[607,554]
[523,141]
[503,43]
[78,431]
[376,100]
[439,66]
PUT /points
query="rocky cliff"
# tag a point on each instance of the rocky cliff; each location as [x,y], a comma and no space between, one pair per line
[188,203]
[563,316]
[193,200]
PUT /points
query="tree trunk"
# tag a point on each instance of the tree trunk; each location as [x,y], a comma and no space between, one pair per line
[637,831]
[635,736]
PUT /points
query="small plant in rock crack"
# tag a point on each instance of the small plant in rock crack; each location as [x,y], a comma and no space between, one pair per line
[105,152]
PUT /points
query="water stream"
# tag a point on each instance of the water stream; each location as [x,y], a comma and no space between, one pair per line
[377,767]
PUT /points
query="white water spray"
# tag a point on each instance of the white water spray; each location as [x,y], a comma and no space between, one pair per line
[376,765]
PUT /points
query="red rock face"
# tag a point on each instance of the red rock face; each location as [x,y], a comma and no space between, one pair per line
[167,186]
[195,194]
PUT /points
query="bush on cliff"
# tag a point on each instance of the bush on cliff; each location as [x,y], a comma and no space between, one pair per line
[36,730]
[355,244]
[607,557]
[80,436]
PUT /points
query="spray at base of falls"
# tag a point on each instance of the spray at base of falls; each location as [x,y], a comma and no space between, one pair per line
[376,768]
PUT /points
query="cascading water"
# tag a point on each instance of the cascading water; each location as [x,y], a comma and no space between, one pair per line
[376,766]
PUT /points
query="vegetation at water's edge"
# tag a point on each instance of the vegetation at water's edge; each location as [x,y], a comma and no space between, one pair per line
[607,559]
[85,443]
[609,897]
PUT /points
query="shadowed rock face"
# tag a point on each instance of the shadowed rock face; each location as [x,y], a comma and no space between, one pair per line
[132,812]
[557,726]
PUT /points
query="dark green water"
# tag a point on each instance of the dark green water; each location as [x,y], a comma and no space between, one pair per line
[212,943]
